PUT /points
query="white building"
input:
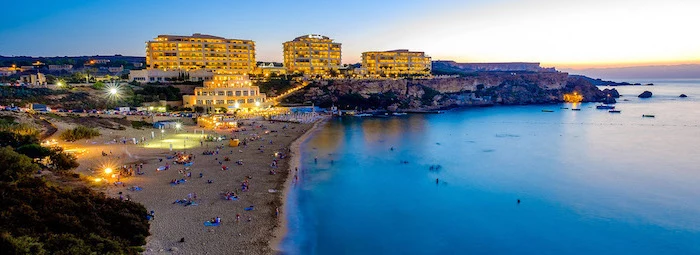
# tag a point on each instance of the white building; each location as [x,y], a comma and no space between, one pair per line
[60,67]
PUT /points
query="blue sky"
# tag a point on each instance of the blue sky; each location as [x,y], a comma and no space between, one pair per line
[561,33]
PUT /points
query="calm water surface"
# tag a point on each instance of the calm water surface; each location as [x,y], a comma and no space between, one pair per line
[590,182]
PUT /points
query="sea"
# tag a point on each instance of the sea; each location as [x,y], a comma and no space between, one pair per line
[506,180]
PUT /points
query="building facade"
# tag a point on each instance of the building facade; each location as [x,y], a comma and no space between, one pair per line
[200,51]
[169,76]
[396,63]
[228,91]
[312,55]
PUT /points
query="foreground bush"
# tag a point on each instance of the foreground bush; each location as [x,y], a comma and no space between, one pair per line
[40,219]
[80,132]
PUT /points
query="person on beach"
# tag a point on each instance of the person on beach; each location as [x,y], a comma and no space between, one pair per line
[238,217]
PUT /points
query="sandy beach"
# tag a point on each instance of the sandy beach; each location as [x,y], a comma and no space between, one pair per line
[257,231]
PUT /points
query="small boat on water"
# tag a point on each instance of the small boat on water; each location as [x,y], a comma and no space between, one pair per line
[575,109]
[648,116]
[399,113]
[547,111]
[564,108]
[614,111]
[363,115]
[604,107]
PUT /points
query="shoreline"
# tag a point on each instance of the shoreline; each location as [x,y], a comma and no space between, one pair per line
[280,232]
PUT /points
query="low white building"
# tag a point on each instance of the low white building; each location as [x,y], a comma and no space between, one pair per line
[169,76]
[60,67]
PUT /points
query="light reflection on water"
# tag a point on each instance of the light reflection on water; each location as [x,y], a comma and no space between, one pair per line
[590,181]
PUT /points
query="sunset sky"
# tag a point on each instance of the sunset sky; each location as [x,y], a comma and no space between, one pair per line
[562,33]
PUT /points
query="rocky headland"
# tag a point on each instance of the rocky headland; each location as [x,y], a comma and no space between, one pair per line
[475,89]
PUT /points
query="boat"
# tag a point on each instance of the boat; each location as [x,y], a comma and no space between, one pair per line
[648,116]
[604,107]
[547,111]
[399,113]
[614,111]
[564,108]
[363,115]
[575,109]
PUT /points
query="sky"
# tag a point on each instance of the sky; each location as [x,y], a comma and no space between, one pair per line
[560,33]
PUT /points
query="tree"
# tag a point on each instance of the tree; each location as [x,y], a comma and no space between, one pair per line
[61,161]
[34,150]
[15,166]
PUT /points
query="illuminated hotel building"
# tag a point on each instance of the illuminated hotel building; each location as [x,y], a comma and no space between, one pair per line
[396,63]
[311,55]
[171,52]
[226,91]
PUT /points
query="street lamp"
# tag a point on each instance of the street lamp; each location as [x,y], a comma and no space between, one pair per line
[113,91]
[108,170]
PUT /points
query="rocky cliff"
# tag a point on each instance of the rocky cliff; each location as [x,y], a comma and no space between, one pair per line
[481,88]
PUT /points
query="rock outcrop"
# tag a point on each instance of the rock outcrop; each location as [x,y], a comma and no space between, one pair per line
[683,96]
[476,89]
[645,94]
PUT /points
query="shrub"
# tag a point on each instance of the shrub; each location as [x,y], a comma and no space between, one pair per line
[80,132]
[98,85]
[39,217]
[33,150]
[15,166]
[139,124]
[61,161]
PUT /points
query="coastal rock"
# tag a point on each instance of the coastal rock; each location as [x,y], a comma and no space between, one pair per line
[612,93]
[645,94]
[683,96]
[475,89]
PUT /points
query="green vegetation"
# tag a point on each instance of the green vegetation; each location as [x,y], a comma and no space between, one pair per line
[139,124]
[151,93]
[98,85]
[80,132]
[276,85]
[44,219]
[41,217]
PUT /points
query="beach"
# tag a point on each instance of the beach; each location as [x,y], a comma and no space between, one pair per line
[259,227]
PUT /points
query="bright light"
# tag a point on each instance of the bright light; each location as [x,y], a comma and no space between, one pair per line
[113,91]
[108,170]
[178,125]
[98,179]
[236,105]
[59,84]
[162,131]
[257,104]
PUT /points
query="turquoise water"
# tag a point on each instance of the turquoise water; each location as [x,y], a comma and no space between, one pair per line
[590,182]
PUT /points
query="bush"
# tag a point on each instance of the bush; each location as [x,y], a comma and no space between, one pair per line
[98,85]
[139,124]
[20,245]
[15,166]
[33,150]
[80,132]
[39,217]
[61,161]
